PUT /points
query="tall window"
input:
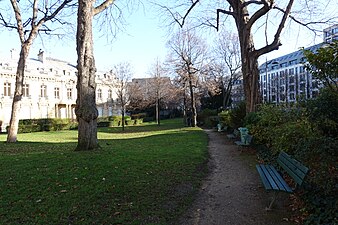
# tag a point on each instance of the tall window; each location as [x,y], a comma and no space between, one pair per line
[69,93]
[25,90]
[43,91]
[57,93]
[110,94]
[7,89]
[99,94]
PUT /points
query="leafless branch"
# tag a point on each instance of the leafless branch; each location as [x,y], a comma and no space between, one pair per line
[103,6]
[257,2]
[307,25]
[224,12]
[276,42]
[19,20]
[259,13]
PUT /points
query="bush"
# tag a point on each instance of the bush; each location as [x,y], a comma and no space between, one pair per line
[45,124]
[323,111]
[299,131]
[233,118]
[207,118]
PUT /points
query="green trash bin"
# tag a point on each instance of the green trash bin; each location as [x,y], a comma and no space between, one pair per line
[244,133]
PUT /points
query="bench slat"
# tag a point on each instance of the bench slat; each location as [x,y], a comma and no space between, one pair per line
[270,179]
[272,172]
[263,177]
[283,186]
[300,166]
[294,168]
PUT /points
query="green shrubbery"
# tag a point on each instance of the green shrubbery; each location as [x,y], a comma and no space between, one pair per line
[115,121]
[309,132]
[233,118]
[208,118]
[46,124]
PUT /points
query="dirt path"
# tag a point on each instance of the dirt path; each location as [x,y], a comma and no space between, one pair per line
[232,192]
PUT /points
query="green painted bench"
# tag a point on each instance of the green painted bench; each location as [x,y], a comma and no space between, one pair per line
[273,181]
[235,134]
[247,141]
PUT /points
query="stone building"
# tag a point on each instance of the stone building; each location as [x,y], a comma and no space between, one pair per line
[49,89]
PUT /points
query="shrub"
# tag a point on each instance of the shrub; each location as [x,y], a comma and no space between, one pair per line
[45,124]
[207,118]
[323,111]
[298,131]
[234,117]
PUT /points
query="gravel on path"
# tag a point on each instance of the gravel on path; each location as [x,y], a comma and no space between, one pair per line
[232,193]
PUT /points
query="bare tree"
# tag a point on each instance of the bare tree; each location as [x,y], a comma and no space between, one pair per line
[137,100]
[227,63]
[86,110]
[247,15]
[123,73]
[28,29]
[160,86]
[188,53]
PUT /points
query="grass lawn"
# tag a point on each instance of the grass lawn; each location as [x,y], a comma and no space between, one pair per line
[144,175]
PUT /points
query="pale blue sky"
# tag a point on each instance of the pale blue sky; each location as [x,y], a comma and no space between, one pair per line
[143,40]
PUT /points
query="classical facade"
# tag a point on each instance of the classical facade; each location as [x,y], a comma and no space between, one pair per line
[49,89]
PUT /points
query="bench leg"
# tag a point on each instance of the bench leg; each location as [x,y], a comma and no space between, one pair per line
[275,194]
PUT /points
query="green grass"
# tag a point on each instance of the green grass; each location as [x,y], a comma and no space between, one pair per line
[145,175]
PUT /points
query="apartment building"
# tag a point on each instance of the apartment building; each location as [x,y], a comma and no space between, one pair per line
[49,89]
[331,34]
[284,79]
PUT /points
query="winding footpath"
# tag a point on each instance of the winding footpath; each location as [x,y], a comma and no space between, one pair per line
[232,193]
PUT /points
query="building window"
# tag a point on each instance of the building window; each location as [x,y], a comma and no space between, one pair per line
[57,93]
[7,89]
[69,93]
[99,94]
[43,91]
[110,94]
[25,90]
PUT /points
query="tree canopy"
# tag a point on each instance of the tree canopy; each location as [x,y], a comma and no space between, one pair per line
[323,64]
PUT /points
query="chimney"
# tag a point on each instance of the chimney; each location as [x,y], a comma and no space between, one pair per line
[41,56]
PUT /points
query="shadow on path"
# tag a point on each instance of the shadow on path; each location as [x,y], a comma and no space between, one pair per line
[232,193]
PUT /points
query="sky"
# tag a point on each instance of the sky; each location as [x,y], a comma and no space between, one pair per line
[143,40]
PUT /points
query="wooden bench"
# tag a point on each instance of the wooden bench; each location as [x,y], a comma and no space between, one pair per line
[235,134]
[273,181]
[247,141]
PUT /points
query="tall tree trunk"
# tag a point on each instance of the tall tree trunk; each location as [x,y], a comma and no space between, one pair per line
[193,105]
[228,90]
[85,110]
[14,121]
[251,83]
[249,61]
[185,108]
[158,119]
[123,117]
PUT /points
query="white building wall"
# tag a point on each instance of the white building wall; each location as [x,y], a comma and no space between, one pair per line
[52,73]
